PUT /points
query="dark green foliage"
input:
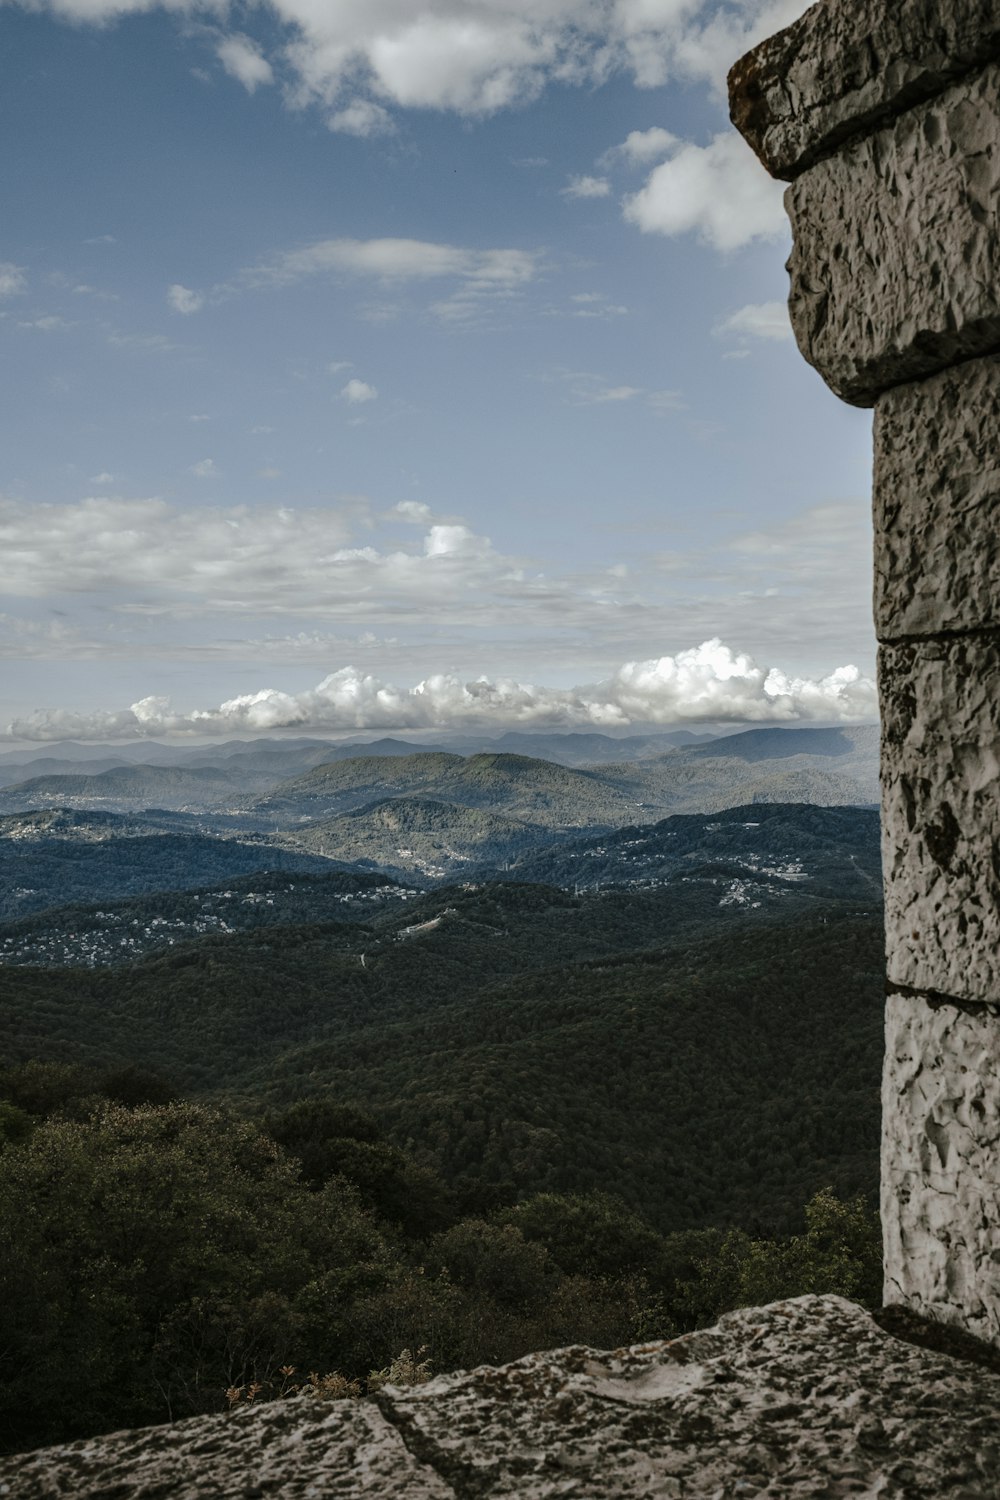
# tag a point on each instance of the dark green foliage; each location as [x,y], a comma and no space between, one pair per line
[705,1082]
[588,1234]
[840,1252]
[51,872]
[496,1117]
[331,1140]
[150,1258]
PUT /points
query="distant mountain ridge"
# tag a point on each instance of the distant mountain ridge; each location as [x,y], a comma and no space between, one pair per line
[280,791]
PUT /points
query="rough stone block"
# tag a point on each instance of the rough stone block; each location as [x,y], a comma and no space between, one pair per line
[941,814]
[843,69]
[940,1166]
[897,246]
[804,1398]
[300,1449]
[937,503]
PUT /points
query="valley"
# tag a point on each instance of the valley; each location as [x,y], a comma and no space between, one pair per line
[566,1046]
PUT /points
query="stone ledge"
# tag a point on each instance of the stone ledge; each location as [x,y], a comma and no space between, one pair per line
[845,69]
[941,814]
[940,1171]
[800,1398]
[896,245]
[936,502]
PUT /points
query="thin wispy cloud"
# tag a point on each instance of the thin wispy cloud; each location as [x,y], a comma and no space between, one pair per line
[758,320]
[587,187]
[13,279]
[396,260]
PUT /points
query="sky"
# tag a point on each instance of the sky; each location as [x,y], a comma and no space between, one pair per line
[369,364]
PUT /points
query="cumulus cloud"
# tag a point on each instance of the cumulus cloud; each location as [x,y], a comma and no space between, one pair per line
[708,683]
[357,392]
[477,59]
[642,146]
[714,191]
[759,320]
[183,300]
[13,280]
[244,61]
[205,468]
[587,187]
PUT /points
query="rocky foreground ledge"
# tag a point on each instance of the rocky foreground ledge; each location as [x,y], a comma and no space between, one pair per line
[805,1398]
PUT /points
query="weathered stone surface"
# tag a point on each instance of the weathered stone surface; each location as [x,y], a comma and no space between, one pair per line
[897,246]
[937,503]
[941,814]
[797,1400]
[843,69]
[940,1166]
[296,1450]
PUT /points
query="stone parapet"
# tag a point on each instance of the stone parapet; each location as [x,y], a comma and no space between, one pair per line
[799,1399]
[936,503]
[897,246]
[941,814]
[843,70]
[887,118]
[940,1192]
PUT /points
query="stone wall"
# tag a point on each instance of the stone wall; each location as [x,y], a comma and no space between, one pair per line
[885,119]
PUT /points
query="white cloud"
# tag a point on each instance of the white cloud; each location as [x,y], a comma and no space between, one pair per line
[473,59]
[718,192]
[587,187]
[13,280]
[412,511]
[244,61]
[204,469]
[103,478]
[397,260]
[183,300]
[642,146]
[357,392]
[49,323]
[709,683]
[760,320]
[362,117]
[594,390]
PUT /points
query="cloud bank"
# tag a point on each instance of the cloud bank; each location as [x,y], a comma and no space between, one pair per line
[353,59]
[709,683]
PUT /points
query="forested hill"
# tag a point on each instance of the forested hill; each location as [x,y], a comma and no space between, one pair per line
[558,780]
[769,859]
[519,1044]
[38,873]
[533,790]
[832,850]
[420,835]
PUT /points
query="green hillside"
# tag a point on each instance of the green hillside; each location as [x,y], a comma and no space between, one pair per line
[521,1042]
[419,835]
[532,790]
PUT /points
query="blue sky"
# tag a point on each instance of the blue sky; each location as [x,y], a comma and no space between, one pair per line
[374,365]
